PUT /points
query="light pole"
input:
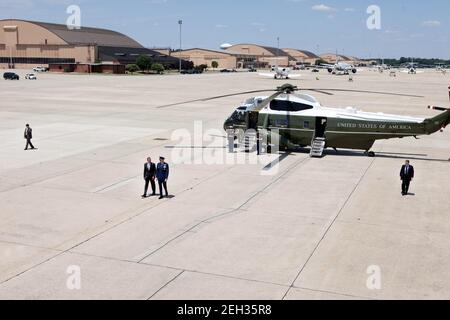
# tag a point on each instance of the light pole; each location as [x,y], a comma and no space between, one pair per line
[278,52]
[180,22]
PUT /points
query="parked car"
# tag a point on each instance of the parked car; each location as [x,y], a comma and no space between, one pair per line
[192,71]
[315,70]
[40,69]
[30,76]
[227,70]
[11,76]
[252,70]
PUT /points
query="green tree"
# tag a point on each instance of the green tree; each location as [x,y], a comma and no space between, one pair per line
[132,68]
[320,61]
[201,67]
[215,64]
[144,62]
[158,68]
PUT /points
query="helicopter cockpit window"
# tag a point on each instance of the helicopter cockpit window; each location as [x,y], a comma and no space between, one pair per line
[284,105]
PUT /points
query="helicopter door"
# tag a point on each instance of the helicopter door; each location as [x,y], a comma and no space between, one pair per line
[321,127]
[252,120]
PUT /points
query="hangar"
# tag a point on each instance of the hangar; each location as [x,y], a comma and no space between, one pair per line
[332,58]
[302,56]
[27,43]
[225,60]
[266,56]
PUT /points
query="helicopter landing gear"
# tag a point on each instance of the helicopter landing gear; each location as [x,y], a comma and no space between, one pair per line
[231,141]
[370,154]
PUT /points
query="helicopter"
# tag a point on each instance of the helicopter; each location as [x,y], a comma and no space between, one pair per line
[299,120]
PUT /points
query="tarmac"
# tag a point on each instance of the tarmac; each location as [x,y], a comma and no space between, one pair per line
[73,224]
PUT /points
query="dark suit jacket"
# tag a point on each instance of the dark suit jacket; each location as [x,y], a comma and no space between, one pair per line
[28,133]
[162,172]
[149,174]
[407,176]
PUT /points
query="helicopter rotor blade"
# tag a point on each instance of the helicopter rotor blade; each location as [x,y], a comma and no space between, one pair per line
[371,92]
[264,104]
[321,91]
[214,98]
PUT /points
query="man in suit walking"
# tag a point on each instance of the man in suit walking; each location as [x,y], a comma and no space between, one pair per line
[406,175]
[28,135]
[162,174]
[149,177]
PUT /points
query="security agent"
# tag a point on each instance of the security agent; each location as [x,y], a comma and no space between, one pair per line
[28,135]
[149,177]
[406,175]
[162,174]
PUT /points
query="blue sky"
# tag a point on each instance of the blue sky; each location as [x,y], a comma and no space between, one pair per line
[408,28]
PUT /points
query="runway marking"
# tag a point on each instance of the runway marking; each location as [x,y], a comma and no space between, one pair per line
[229,212]
[110,187]
[165,285]
[329,227]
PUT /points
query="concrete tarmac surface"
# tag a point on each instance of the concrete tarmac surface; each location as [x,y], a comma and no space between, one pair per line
[73,224]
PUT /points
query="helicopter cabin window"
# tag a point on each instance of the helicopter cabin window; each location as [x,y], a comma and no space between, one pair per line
[283,105]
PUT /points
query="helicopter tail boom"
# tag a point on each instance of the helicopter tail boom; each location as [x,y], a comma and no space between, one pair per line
[439,122]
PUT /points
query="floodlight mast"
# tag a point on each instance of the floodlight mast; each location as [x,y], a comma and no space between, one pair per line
[180,22]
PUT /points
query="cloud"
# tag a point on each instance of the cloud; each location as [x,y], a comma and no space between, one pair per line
[431,23]
[322,7]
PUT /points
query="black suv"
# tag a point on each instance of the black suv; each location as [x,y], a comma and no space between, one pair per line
[10,76]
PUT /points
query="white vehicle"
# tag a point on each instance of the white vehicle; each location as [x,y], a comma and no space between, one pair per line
[30,76]
[39,69]
[280,73]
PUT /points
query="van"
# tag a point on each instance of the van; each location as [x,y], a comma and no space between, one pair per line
[10,76]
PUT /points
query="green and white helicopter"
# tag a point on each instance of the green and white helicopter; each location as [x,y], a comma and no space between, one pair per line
[299,120]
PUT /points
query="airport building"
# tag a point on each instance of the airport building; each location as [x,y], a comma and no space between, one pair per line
[225,59]
[332,58]
[266,56]
[26,43]
[302,57]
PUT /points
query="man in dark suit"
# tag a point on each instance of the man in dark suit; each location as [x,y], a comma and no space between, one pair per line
[28,135]
[149,177]
[162,174]
[406,174]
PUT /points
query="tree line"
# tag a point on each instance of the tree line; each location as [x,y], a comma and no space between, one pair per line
[405,60]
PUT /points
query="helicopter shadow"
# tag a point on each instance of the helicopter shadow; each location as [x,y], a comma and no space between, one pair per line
[385,155]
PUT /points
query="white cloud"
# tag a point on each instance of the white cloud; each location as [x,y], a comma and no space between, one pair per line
[322,7]
[431,23]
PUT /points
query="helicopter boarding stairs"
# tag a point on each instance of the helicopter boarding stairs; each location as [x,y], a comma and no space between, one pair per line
[317,147]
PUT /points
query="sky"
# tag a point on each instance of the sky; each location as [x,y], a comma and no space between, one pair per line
[407,28]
